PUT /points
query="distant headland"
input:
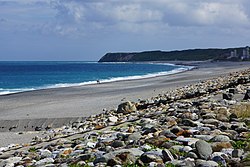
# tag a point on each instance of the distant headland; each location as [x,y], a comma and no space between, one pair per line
[229,54]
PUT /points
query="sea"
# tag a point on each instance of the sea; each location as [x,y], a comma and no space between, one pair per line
[21,76]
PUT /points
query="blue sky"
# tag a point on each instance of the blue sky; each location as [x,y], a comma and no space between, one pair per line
[87,29]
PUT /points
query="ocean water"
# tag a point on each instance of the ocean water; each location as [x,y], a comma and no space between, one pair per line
[26,76]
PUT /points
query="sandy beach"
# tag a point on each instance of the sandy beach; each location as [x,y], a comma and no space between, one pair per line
[61,105]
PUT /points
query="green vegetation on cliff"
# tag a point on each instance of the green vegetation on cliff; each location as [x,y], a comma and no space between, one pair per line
[184,55]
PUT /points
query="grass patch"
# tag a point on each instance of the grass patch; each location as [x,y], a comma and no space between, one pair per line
[178,153]
[239,144]
[32,149]
[242,110]
[170,165]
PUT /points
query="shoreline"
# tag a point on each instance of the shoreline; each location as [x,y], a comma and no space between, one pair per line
[127,89]
[181,68]
[84,101]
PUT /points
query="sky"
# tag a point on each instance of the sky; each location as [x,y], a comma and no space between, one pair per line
[84,30]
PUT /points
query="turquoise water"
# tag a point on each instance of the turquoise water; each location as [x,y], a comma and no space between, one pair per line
[25,76]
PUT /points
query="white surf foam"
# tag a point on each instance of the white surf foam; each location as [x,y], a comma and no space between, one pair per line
[114,79]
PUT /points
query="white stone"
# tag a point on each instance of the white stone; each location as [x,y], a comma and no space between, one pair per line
[113,119]
[91,144]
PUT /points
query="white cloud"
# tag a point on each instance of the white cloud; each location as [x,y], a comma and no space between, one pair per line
[78,17]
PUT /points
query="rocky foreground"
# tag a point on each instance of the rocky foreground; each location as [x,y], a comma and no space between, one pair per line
[204,125]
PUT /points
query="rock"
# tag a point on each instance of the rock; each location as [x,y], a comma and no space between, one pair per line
[91,144]
[84,157]
[167,155]
[45,153]
[187,140]
[237,153]
[118,155]
[10,161]
[203,149]
[209,116]
[167,145]
[186,149]
[134,136]
[181,163]
[126,108]
[113,119]
[218,146]
[189,115]
[118,143]
[227,96]
[192,155]
[189,122]
[157,141]
[203,163]
[232,90]
[122,158]
[247,95]
[204,137]
[211,121]
[44,161]
[232,117]
[219,160]
[222,118]
[168,134]
[220,138]
[152,156]
[38,128]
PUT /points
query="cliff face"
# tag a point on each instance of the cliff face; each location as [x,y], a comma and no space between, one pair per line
[117,57]
[184,55]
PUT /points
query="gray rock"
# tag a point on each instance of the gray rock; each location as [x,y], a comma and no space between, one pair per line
[203,163]
[181,163]
[187,140]
[237,153]
[192,155]
[211,121]
[209,116]
[189,122]
[151,156]
[126,108]
[45,153]
[204,150]
[135,152]
[167,145]
[10,161]
[118,143]
[220,160]
[227,96]
[186,149]
[168,134]
[44,161]
[122,158]
[204,137]
[220,138]
[134,136]
[167,155]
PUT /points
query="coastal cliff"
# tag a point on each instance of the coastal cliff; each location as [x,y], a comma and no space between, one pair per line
[182,55]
